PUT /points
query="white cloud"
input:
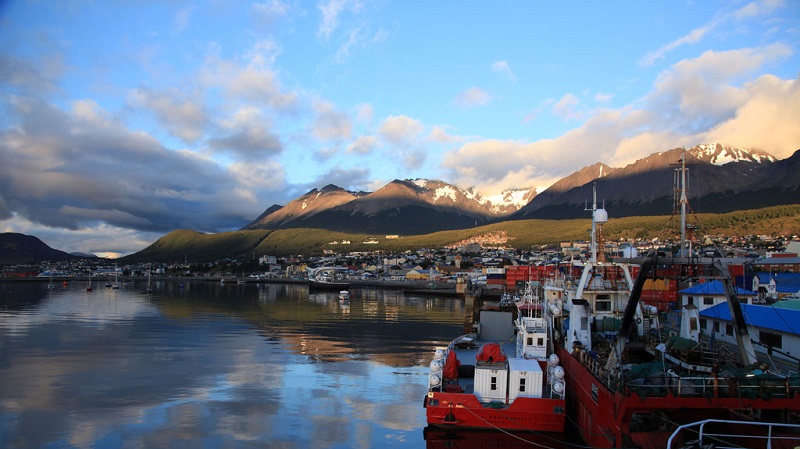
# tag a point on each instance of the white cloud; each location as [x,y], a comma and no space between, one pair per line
[330,16]
[258,176]
[748,11]
[400,130]
[182,114]
[268,12]
[601,97]
[181,20]
[248,135]
[696,101]
[503,68]
[329,123]
[693,37]
[363,145]
[473,97]
[768,117]
[364,113]
[253,82]
[567,107]
[439,134]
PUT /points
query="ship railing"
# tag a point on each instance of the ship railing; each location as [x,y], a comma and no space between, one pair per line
[713,386]
[737,434]
[598,370]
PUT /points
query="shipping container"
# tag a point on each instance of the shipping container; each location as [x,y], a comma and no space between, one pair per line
[491,382]
[525,379]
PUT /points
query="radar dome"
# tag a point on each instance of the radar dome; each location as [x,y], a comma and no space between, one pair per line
[600,216]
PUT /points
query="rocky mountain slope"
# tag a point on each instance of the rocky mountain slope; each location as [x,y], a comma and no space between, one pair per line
[401,207]
[721,179]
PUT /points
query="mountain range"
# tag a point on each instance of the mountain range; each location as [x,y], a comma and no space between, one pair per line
[720,179]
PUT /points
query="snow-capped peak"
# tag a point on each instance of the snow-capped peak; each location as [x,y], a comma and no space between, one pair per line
[719,154]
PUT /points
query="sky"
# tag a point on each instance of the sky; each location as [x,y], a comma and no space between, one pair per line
[121,121]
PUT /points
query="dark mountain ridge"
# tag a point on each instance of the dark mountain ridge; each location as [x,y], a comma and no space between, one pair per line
[719,179]
[18,248]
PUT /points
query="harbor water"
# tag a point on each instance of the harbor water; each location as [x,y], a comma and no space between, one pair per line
[199,364]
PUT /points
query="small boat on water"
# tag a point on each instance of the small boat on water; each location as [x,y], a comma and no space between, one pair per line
[344,295]
[504,375]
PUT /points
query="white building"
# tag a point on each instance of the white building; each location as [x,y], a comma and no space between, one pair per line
[709,294]
[769,328]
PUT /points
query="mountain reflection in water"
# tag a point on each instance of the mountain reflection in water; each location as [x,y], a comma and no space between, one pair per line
[208,365]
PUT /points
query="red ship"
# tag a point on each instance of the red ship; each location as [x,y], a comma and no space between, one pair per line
[632,383]
[502,375]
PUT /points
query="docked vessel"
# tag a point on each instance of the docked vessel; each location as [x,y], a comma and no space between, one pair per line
[502,375]
[327,279]
[631,383]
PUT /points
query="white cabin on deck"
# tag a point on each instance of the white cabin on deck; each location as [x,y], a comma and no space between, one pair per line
[525,379]
[532,338]
[491,382]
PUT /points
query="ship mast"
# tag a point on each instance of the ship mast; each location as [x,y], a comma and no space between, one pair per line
[594,224]
[683,203]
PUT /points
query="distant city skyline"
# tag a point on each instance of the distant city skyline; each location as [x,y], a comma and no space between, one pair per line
[123,121]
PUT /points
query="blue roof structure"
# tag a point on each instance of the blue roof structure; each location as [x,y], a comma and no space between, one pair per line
[787,282]
[765,317]
[713,288]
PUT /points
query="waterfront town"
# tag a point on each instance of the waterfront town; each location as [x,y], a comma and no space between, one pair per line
[484,262]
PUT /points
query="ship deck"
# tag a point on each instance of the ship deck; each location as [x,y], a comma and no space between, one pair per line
[467,348]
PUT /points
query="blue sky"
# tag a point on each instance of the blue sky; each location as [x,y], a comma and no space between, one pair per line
[121,121]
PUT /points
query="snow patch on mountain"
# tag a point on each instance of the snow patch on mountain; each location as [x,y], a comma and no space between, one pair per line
[514,198]
[445,192]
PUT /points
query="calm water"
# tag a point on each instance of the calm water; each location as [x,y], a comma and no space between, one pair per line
[203,365]
[208,365]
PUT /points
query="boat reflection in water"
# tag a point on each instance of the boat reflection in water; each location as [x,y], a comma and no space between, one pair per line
[439,438]
[212,365]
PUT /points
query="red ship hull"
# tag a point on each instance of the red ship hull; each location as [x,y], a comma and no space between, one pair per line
[464,411]
[604,417]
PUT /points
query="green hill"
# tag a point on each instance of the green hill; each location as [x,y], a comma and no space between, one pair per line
[522,234]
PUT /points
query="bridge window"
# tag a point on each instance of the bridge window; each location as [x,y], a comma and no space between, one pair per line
[493,383]
[522,384]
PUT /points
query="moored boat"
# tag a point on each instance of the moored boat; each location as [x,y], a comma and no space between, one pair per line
[632,383]
[327,278]
[502,376]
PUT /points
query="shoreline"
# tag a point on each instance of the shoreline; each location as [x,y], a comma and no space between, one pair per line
[417,287]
